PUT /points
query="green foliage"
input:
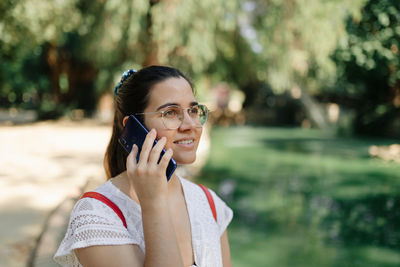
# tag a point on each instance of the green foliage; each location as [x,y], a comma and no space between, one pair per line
[187,30]
[72,52]
[368,61]
[294,39]
[86,45]
[281,45]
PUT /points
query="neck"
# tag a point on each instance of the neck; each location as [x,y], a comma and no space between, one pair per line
[173,184]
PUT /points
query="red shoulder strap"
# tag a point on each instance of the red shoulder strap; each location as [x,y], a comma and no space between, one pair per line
[210,200]
[108,202]
[111,204]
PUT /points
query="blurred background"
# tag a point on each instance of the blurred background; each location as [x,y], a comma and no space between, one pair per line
[304,136]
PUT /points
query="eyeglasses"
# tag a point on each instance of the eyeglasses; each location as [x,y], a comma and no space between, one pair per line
[173,116]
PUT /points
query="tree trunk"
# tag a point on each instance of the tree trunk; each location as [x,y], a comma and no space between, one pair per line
[151,48]
[314,112]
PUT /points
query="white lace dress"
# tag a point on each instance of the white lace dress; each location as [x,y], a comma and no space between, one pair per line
[94,223]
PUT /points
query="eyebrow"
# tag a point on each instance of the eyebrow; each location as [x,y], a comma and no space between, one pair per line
[175,104]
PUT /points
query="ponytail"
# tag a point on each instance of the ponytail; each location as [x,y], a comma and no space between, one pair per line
[115,157]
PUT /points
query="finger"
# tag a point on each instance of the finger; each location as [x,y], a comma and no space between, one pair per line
[166,158]
[147,145]
[131,159]
[156,151]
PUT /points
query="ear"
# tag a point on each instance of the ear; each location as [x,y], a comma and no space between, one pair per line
[125,119]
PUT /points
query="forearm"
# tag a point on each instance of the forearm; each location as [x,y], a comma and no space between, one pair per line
[162,247]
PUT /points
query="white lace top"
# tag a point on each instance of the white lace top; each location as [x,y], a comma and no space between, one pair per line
[94,223]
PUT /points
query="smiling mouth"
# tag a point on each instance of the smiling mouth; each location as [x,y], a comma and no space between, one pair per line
[184,142]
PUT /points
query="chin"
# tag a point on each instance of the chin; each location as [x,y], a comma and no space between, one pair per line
[185,161]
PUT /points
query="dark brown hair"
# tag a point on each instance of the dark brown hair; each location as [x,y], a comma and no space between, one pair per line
[132,97]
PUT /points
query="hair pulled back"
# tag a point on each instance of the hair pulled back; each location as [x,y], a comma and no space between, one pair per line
[132,97]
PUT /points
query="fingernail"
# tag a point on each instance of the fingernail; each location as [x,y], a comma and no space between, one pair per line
[153,130]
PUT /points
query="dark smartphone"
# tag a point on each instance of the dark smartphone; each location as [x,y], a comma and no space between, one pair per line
[135,133]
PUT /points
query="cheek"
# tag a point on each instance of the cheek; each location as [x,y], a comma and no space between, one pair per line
[169,136]
[168,145]
[151,123]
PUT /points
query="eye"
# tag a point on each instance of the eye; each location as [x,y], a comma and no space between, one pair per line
[170,113]
[194,110]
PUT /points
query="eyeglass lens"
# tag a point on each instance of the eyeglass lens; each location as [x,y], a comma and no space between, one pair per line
[173,116]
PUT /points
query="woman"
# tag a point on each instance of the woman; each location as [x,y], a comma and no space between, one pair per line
[167,223]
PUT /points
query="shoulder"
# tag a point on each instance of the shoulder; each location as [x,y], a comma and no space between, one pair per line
[111,202]
[91,223]
[93,205]
[90,214]
[224,213]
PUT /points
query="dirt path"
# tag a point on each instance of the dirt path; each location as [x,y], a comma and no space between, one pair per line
[41,165]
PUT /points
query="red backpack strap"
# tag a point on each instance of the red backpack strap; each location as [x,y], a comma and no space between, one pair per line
[108,202]
[210,201]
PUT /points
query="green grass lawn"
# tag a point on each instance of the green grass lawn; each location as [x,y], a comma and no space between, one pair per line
[302,198]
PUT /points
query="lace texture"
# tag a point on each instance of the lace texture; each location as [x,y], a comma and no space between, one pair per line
[94,223]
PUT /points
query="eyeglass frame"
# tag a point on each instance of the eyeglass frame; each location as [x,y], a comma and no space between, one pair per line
[183,109]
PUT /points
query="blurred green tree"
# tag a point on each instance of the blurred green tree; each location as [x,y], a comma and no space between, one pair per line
[284,46]
[57,56]
[368,62]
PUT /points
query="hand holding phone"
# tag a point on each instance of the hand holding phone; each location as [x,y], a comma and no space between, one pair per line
[135,133]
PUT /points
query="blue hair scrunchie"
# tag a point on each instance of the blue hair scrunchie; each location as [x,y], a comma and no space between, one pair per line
[125,76]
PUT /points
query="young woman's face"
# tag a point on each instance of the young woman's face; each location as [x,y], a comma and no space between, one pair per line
[185,139]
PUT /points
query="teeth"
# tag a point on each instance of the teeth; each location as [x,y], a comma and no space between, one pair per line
[185,142]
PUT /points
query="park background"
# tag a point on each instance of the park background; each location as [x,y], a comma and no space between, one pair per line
[303,137]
